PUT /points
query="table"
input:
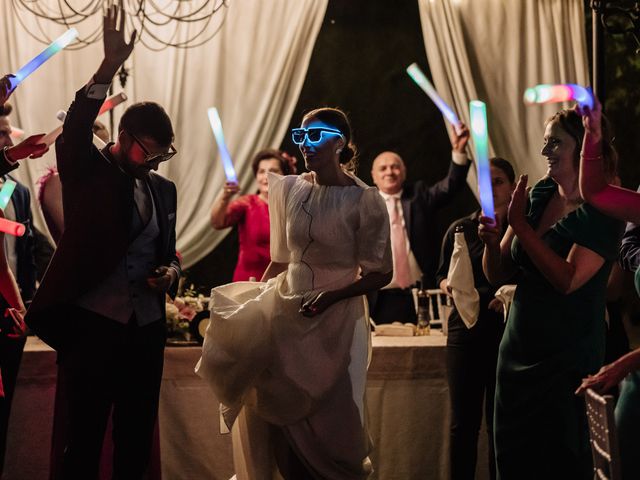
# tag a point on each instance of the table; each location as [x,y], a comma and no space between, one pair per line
[407,397]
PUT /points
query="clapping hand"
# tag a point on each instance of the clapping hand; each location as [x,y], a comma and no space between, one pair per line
[517,208]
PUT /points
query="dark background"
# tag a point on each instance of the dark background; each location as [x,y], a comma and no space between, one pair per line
[358,64]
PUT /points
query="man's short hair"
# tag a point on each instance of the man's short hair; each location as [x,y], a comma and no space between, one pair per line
[148,119]
[5,109]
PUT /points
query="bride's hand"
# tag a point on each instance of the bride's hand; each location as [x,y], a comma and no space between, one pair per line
[319,304]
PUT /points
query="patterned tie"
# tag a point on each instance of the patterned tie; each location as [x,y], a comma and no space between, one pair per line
[401,274]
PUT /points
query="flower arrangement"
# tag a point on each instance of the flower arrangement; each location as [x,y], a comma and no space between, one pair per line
[180,313]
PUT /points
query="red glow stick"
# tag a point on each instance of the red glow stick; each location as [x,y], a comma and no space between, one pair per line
[12,228]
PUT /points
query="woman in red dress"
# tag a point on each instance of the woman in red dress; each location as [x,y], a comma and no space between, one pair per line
[251,214]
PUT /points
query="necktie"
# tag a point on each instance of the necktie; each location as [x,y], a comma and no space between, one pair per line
[143,201]
[401,274]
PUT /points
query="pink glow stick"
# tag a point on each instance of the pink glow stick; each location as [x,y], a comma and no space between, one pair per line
[12,228]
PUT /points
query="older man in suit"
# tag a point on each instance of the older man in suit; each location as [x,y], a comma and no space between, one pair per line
[412,211]
[101,302]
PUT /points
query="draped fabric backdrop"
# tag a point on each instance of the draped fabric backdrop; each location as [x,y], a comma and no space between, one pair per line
[492,50]
[252,71]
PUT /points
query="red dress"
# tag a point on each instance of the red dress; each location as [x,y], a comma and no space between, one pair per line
[251,214]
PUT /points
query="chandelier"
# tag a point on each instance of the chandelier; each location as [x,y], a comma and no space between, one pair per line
[160,23]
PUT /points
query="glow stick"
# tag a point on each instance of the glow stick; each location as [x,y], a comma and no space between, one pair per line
[16,132]
[6,192]
[479,132]
[50,137]
[55,46]
[108,104]
[112,101]
[12,228]
[216,126]
[61,115]
[558,93]
[417,76]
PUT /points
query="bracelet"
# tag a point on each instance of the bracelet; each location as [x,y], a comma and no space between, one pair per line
[594,158]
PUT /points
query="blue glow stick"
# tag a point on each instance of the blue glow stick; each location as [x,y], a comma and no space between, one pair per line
[55,46]
[216,126]
[479,132]
[417,76]
[6,192]
[558,93]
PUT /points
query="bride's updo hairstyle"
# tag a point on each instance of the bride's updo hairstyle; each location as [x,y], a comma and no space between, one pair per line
[338,119]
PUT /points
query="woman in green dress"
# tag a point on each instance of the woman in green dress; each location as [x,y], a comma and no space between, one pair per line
[562,250]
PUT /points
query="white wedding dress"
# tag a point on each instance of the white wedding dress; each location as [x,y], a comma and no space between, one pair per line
[306,375]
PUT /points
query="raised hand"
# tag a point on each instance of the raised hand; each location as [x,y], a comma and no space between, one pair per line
[518,205]
[5,88]
[459,137]
[29,147]
[592,119]
[116,49]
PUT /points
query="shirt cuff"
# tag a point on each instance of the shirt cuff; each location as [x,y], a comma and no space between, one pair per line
[97,91]
[459,158]
[6,157]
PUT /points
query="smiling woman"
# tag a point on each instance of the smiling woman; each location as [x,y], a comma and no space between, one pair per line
[563,250]
[251,214]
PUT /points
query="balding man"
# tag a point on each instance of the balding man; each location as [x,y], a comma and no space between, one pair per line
[412,212]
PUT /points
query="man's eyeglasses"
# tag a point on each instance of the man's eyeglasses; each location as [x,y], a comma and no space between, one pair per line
[313,134]
[155,157]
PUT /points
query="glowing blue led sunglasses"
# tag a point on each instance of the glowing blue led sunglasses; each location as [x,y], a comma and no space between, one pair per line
[314,135]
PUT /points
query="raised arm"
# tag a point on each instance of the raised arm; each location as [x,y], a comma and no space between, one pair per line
[77,135]
[441,192]
[219,215]
[612,200]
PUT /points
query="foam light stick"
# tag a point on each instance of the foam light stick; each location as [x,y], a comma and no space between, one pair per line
[558,93]
[216,126]
[12,228]
[112,102]
[421,80]
[6,192]
[479,132]
[16,132]
[55,46]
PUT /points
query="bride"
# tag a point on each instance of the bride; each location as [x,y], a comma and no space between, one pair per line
[288,357]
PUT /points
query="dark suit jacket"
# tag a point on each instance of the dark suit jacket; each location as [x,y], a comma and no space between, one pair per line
[98,203]
[26,268]
[420,203]
[5,166]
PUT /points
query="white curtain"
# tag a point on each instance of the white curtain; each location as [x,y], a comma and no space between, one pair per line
[252,71]
[492,50]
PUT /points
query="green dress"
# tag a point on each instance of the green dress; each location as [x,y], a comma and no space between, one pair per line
[551,341]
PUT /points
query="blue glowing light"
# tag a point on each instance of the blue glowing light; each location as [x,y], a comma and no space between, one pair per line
[479,133]
[421,80]
[55,46]
[216,126]
[6,192]
[558,93]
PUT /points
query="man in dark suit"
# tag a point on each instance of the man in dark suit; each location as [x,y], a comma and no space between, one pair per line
[101,304]
[412,213]
[21,261]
